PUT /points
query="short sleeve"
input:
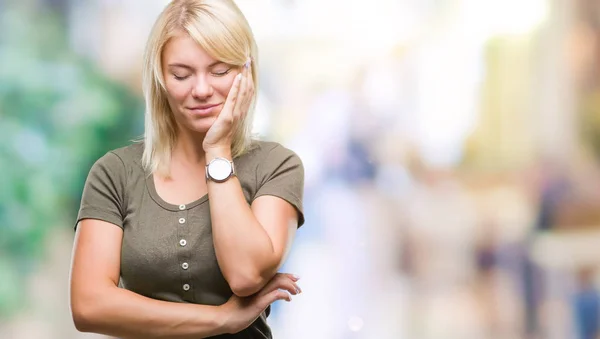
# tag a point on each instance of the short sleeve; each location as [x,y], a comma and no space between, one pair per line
[281,174]
[103,192]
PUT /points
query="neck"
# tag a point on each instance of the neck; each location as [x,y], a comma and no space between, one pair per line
[188,148]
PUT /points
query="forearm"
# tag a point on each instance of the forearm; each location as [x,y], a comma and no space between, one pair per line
[243,248]
[124,314]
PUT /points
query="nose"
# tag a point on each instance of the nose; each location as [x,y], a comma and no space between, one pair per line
[202,89]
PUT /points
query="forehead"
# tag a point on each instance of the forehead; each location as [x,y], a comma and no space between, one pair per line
[182,49]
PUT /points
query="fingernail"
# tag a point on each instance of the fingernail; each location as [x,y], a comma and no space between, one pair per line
[247,64]
[298,290]
[296,277]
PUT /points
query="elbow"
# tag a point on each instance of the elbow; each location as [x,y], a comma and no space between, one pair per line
[83,318]
[244,286]
[245,282]
[85,315]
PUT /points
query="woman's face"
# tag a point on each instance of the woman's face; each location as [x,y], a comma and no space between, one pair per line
[197,85]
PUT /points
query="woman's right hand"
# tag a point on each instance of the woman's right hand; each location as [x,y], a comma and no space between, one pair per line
[242,312]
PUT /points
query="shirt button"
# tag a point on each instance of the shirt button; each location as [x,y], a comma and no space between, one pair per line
[182,242]
[186,287]
[181,220]
[185,266]
[182,207]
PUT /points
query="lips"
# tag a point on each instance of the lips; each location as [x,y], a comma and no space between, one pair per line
[204,109]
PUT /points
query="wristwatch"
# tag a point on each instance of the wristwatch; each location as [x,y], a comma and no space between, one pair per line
[219,170]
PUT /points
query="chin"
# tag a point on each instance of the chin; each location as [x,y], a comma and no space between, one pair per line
[201,125]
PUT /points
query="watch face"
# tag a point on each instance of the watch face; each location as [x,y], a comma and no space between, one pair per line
[219,169]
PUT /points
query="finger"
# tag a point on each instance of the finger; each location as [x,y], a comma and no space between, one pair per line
[262,302]
[249,87]
[241,99]
[274,296]
[251,91]
[294,277]
[272,284]
[289,286]
[232,97]
[281,281]
[269,287]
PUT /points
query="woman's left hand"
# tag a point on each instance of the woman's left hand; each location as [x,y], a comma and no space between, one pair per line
[220,134]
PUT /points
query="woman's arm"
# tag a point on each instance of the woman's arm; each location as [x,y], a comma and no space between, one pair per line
[250,242]
[98,305]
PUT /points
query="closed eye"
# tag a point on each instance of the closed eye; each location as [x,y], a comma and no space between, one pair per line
[180,78]
[222,73]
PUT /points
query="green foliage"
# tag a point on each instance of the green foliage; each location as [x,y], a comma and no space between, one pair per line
[58,114]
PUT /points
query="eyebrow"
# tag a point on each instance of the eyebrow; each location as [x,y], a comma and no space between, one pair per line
[190,68]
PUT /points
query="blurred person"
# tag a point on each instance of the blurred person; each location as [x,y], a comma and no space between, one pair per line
[552,189]
[181,235]
[491,288]
[586,305]
[486,267]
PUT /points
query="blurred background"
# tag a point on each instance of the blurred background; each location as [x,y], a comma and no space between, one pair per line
[451,147]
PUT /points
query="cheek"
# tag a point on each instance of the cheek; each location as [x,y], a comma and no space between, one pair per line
[177,90]
[223,84]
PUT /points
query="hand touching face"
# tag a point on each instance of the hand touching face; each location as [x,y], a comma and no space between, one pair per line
[197,85]
[220,135]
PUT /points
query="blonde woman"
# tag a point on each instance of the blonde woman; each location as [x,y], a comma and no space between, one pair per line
[182,235]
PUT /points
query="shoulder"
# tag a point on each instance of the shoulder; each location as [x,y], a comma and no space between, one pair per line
[129,155]
[271,160]
[268,151]
[119,161]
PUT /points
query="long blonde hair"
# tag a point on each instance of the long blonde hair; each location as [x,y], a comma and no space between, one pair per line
[220,28]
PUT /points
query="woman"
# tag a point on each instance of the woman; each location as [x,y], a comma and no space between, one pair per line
[204,216]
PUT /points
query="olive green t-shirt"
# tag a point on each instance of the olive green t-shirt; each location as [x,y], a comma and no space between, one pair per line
[167,252]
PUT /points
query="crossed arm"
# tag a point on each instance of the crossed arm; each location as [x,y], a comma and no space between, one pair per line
[251,242]
[98,305]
